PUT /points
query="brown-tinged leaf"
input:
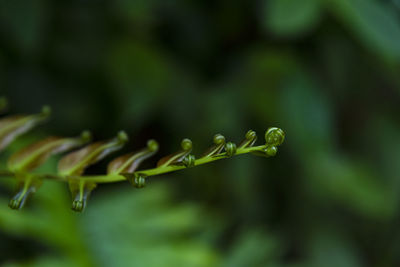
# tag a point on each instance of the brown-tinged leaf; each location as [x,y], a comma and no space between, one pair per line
[76,162]
[177,158]
[37,153]
[130,162]
[13,126]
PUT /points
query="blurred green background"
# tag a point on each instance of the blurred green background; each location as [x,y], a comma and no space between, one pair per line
[325,71]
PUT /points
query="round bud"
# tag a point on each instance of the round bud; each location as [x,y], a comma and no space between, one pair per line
[152,145]
[15,204]
[274,136]
[271,151]
[3,103]
[139,182]
[46,110]
[78,205]
[250,135]
[122,137]
[219,139]
[189,161]
[86,136]
[186,144]
[230,149]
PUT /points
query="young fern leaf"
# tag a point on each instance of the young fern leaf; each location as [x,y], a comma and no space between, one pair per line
[230,149]
[71,167]
[219,144]
[27,184]
[274,137]
[127,164]
[180,157]
[130,162]
[74,164]
[250,139]
[13,126]
[36,154]
[31,157]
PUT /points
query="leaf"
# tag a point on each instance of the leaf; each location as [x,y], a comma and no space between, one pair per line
[330,243]
[287,17]
[130,162]
[307,111]
[76,162]
[13,126]
[177,157]
[219,144]
[375,24]
[353,185]
[27,185]
[36,154]
[254,247]
[154,212]
[80,191]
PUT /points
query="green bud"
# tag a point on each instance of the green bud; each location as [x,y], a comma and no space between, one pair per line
[186,144]
[271,151]
[139,181]
[274,136]
[230,149]
[189,161]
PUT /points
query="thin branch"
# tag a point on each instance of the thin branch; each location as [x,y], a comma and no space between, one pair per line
[111,178]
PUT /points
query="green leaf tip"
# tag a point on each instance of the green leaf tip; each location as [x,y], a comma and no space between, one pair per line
[128,163]
[86,136]
[80,191]
[186,144]
[271,151]
[12,127]
[219,144]
[274,136]
[26,186]
[46,111]
[138,181]
[152,145]
[189,161]
[250,139]
[122,137]
[178,157]
[230,149]
[18,201]
[219,139]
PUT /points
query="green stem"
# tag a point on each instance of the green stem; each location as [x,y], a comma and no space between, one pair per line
[161,170]
[110,178]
